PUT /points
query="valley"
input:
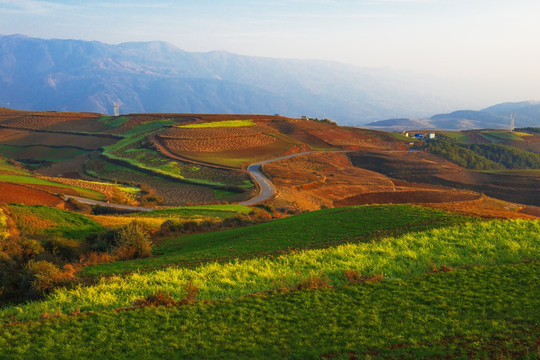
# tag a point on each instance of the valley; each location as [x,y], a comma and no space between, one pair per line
[163,235]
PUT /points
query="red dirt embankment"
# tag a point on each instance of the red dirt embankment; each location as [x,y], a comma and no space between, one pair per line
[418,196]
[12,193]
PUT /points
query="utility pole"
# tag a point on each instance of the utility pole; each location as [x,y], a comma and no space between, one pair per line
[512,119]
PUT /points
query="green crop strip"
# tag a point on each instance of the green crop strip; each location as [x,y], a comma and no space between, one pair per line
[20,179]
[220,211]
[113,122]
[218,124]
[310,230]
[153,161]
[487,243]
[480,313]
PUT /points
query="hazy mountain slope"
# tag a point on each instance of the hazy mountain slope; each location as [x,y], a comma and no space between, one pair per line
[527,113]
[38,74]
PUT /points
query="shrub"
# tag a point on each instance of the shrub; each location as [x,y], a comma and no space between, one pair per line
[101,241]
[314,282]
[66,249]
[40,277]
[4,228]
[94,258]
[133,241]
[8,273]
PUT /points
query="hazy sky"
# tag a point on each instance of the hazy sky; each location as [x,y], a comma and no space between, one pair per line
[492,43]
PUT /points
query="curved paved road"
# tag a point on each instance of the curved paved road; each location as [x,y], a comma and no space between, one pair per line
[106,204]
[266,188]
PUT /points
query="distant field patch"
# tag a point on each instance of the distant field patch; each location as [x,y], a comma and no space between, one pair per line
[46,221]
[219,211]
[30,180]
[459,136]
[12,193]
[495,136]
[216,124]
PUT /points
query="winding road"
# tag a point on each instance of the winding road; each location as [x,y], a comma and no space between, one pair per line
[106,204]
[266,188]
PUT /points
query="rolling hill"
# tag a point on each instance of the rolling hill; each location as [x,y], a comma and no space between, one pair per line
[71,75]
[527,113]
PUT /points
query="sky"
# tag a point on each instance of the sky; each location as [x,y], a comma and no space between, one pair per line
[488,47]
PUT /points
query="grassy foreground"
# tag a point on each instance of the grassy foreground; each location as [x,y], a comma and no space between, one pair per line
[481,312]
[316,229]
[487,243]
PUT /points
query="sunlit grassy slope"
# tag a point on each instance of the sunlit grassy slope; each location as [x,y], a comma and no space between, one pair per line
[481,312]
[310,230]
[485,243]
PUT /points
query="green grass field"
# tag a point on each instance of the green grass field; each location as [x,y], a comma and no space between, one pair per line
[310,230]
[215,211]
[457,135]
[40,153]
[30,180]
[502,135]
[481,312]
[50,222]
[216,124]
[480,244]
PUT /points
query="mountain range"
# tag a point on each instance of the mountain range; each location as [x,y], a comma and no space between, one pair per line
[74,75]
[526,113]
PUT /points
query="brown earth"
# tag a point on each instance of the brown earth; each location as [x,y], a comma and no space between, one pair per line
[425,168]
[28,138]
[44,120]
[415,196]
[14,193]
[329,179]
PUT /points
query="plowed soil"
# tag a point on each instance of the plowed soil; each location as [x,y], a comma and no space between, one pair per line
[12,193]
[425,168]
[330,179]
[416,196]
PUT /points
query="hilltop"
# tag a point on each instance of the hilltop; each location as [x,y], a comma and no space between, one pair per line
[73,75]
[527,113]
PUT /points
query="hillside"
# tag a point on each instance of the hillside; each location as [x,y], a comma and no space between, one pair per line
[435,245]
[71,75]
[527,113]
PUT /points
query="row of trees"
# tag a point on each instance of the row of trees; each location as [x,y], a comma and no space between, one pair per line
[484,156]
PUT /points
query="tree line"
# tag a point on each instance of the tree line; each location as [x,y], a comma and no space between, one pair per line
[483,156]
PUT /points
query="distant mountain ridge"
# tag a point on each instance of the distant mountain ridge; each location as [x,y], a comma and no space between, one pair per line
[37,74]
[527,113]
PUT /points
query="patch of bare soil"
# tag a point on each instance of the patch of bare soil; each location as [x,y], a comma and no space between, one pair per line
[425,168]
[415,196]
[329,179]
[13,193]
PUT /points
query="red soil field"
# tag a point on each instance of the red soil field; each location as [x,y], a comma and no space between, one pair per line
[12,193]
[42,120]
[29,138]
[218,139]
[417,196]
